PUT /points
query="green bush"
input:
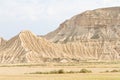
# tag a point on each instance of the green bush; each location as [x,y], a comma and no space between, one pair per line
[85,71]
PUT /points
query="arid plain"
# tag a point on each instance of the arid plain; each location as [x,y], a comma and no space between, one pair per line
[85,47]
[24,71]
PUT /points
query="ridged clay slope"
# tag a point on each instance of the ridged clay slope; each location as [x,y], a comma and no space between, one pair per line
[26,47]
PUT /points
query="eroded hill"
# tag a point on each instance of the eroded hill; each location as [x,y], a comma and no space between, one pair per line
[94,24]
[90,36]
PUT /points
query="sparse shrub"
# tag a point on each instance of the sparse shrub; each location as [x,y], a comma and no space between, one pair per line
[38,72]
[53,72]
[71,72]
[107,71]
[61,71]
[115,70]
[85,71]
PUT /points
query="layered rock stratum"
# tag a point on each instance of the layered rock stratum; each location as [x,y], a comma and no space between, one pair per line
[90,36]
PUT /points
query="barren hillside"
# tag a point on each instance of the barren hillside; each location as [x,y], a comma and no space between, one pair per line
[90,36]
[93,24]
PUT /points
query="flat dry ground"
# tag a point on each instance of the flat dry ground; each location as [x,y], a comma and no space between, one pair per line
[17,72]
[27,70]
[91,76]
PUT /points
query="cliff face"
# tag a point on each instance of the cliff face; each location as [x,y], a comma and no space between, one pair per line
[95,24]
[90,36]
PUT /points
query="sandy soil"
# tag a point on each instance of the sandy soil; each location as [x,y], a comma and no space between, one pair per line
[91,76]
[22,73]
[25,70]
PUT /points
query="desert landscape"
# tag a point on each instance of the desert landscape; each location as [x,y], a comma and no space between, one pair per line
[99,71]
[84,47]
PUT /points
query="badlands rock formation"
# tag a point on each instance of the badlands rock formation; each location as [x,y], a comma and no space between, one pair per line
[91,36]
[94,24]
[27,47]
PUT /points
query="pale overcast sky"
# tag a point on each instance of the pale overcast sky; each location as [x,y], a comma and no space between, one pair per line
[42,16]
